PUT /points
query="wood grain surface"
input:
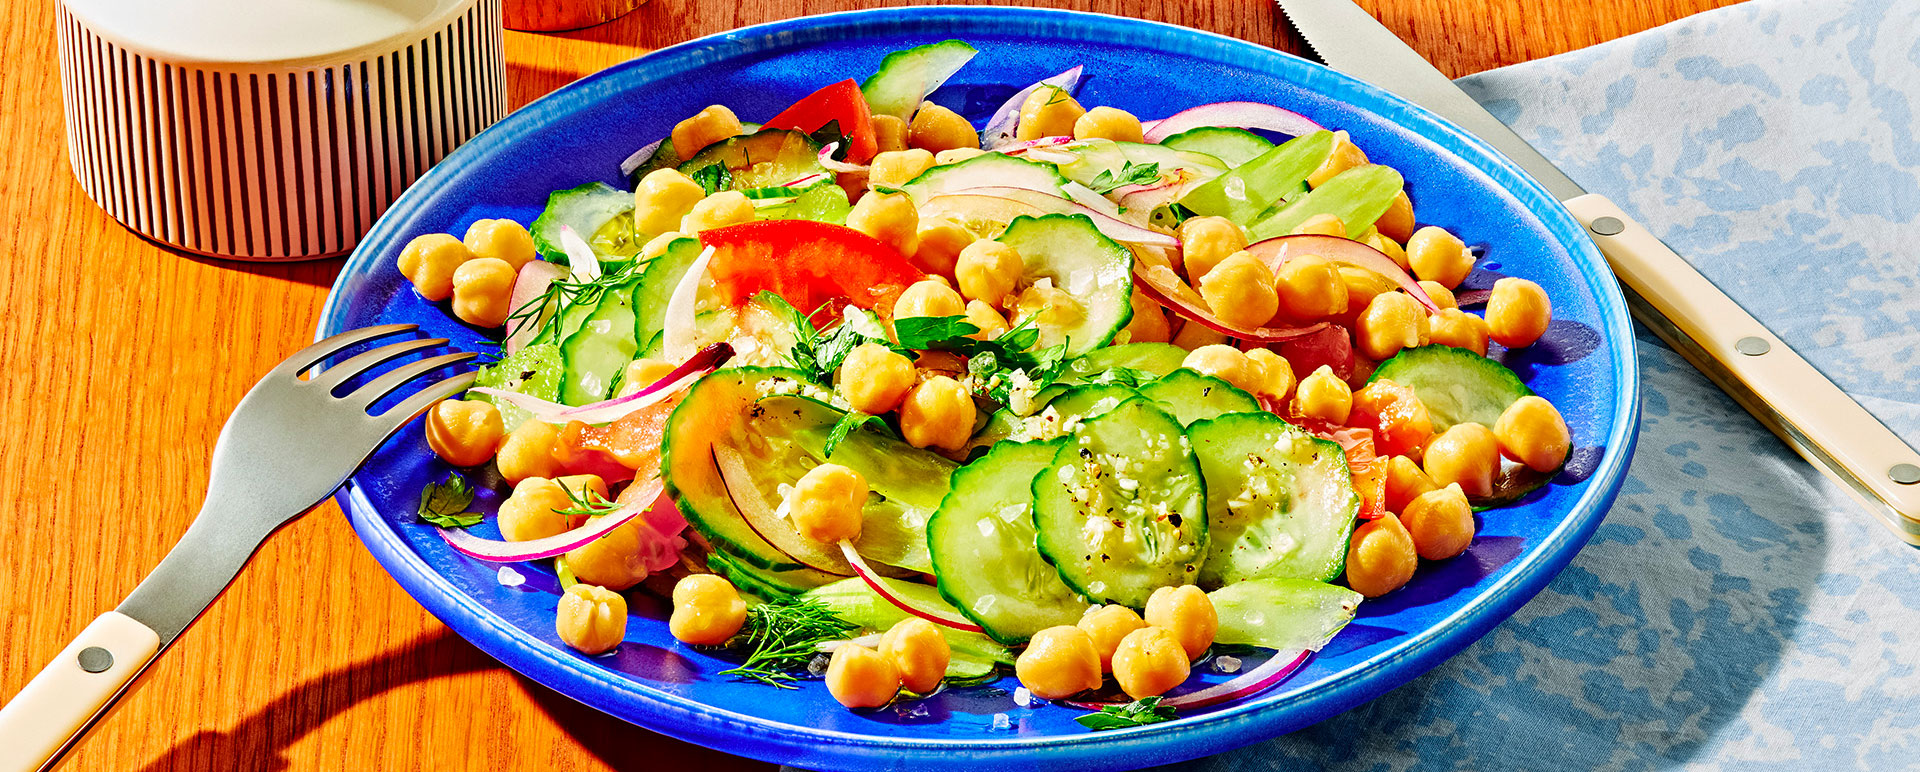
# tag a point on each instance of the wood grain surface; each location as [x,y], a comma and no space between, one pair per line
[128,358]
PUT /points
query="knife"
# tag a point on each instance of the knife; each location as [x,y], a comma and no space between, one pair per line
[1663,291]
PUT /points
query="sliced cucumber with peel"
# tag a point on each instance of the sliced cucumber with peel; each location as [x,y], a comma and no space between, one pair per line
[1232,146]
[534,371]
[1191,396]
[852,600]
[1094,157]
[763,159]
[1457,385]
[1280,502]
[985,170]
[1282,614]
[597,353]
[657,282]
[600,213]
[982,542]
[1067,250]
[905,78]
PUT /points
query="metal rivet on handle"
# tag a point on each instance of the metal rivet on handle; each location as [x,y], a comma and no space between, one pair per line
[1607,226]
[94,659]
[1752,346]
[1905,474]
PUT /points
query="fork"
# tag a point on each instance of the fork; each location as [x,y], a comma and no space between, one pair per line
[288,445]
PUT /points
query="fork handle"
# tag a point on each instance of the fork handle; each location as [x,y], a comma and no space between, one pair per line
[61,703]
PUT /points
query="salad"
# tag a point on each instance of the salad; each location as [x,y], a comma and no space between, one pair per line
[877,395]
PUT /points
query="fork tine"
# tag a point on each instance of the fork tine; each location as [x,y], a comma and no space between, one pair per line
[312,355]
[419,403]
[377,389]
[332,377]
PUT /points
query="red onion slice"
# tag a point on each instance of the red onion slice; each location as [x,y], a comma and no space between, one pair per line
[807,180]
[677,333]
[826,159]
[1169,292]
[1000,128]
[1268,675]
[530,285]
[1239,115]
[582,264]
[879,585]
[639,157]
[1275,251]
[764,519]
[1091,199]
[497,551]
[695,368]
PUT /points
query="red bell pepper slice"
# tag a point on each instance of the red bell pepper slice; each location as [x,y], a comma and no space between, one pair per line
[808,263]
[841,102]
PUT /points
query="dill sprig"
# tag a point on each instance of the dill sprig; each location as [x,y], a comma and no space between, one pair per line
[782,636]
[562,294]
[586,502]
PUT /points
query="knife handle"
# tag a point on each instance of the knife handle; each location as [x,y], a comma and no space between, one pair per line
[1761,372]
[60,703]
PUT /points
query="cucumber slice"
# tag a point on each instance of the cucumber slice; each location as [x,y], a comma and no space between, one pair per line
[989,169]
[1242,194]
[1457,385]
[663,158]
[1145,361]
[1282,613]
[597,354]
[824,202]
[1280,502]
[1357,196]
[657,282]
[533,371]
[855,602]
[905,78]
[982,544]
[1122,510]
[1191,396]
[1093,157]
[1069,251]
[599,212]
[763,159]
[1232,146]
[765,584]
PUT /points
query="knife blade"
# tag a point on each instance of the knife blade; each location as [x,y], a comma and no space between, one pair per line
[1761,372]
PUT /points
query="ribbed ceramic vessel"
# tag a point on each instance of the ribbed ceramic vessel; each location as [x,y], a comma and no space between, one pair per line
[270,129]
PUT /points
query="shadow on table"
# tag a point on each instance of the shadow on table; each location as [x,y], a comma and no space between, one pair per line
[623,746]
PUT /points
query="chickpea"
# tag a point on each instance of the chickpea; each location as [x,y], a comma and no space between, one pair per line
[501,239]
[941,241]
[1441,296]
[1309,288]
[1397,222]
[464,432]
[1517,312]
[1439,256]
[1058,662]
[1401,423]
[1380,558]
[528,451]
[705,128]
[1392,321]
[1188,614]
[707,610]
[429,262]
[1205,241]
[1388,247]
[1105,626]
[1532,432]
[727,207]
[827,502]
[1459,329]
[1440,522]
[483,291]
[919,654]
[1344,155]
[1048,112]
[1466,454]
[1240,291]
[889,217]
[987,271]
[1149,662]
[890,133]
[1050,306]
[957,154]
[536,510]
[1278,381]
[937,413]
[1149,323]
[657,246]
[859,677]
[1324,396]
[937,129]
[1362,287]
[991,323]
[1405,482]
[662,199]
[894,168]
[875,378]
[1226,363]
[593,620]
[1108,123]
[928,297]
[1321,225]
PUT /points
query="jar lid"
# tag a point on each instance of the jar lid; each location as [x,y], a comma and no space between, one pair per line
[261,32]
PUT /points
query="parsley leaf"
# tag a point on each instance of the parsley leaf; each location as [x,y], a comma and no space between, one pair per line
[819,355]
[713,178]
[445,504]
[1136,713]
[1123,376]
[1130,174]
[926,332]
[849,422]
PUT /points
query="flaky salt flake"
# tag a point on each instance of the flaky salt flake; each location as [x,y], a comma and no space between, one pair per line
[1226,664]
[509,577]
[1002,721]
[1022,697]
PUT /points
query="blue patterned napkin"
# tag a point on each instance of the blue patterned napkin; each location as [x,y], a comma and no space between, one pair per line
[1736,609]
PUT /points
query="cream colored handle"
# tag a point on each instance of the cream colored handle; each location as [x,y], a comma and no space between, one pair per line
[1783,390]
[60,702]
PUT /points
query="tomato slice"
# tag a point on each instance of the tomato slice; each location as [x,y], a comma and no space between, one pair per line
[808,263]
[1368,468]
[1400,421]
[841,102]
[620,450]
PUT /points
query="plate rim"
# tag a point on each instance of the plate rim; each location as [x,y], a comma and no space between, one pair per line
[707,724]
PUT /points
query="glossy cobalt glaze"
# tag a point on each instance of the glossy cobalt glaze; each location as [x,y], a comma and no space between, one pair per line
[581,133]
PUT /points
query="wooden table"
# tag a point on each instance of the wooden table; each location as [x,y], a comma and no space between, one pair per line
[130,357]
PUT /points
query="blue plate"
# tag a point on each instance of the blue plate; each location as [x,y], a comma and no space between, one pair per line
[581,133]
